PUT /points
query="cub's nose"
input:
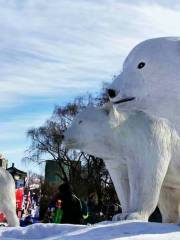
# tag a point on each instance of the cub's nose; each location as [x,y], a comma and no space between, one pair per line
[62,136]
[111,93]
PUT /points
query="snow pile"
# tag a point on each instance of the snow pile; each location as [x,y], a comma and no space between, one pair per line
[132,230]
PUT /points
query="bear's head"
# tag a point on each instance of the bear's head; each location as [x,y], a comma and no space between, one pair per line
[89,128]
[150,75]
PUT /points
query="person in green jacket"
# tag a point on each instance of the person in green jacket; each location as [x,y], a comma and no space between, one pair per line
[58,212]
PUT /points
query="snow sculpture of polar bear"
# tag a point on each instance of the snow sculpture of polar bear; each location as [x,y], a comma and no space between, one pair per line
[142,155]
[8,198]
[150,80]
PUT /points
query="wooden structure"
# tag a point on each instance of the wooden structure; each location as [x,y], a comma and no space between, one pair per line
[18,175]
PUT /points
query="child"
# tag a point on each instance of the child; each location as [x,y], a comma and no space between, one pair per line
[58,212]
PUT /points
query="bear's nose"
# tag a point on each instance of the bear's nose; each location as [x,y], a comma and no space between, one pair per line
[62,136]
[111,93]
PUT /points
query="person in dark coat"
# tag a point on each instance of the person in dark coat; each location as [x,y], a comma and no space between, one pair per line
[71,205]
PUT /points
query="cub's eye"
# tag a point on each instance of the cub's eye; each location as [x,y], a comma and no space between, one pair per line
[80,121]
[141,65]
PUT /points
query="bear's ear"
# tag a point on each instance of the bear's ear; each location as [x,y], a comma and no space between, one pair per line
[107,107]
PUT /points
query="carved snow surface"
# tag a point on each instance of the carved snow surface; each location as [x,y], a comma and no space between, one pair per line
[151,75]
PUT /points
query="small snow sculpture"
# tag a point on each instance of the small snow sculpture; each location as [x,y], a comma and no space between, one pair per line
[8,198]
[142,154]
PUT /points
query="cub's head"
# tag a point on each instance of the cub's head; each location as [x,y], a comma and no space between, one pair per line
[88,128]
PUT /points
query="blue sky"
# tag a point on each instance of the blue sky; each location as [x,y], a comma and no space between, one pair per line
[52,51]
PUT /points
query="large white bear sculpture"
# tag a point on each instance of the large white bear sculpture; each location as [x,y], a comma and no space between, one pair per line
[150,80]
[142,154]
[8,198]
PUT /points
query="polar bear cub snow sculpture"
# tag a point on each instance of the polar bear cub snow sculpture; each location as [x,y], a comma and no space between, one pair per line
[142,155]
[7,198]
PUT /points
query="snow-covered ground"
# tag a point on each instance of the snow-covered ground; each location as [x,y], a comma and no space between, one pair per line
[127,230]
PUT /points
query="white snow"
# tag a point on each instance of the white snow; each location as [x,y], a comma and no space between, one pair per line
[125,230]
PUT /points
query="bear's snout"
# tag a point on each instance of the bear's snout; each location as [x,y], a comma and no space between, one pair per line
[111,93]
[62,136]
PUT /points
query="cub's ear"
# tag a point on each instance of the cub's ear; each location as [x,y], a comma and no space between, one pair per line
[107,107]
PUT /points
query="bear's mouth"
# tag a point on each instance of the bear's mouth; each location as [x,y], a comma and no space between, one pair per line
[128,99]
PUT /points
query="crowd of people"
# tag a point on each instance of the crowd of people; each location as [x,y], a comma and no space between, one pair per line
[63,207]
[66,207]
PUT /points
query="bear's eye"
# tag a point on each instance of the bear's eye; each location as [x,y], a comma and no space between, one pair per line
[80,121]
[141,65]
